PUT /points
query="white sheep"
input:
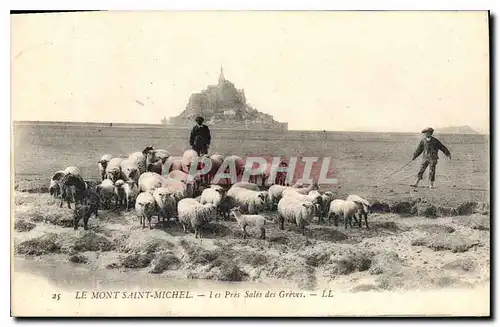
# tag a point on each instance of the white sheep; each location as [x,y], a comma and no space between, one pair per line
[213,196]
[113,169]
[75,171]
[276,193]
[120,196]
[295,211]
[256,221]
[145,207]
[140,160]
[365,207]
[192,182]
[179,189]
[247,185]
[126,191]
[250,202]
[306,190]
[102,164]
[326,199]
[344,208]
[189,157]
[130,169]
[165,202]
[55,183]
[106,191]
[314,197]
[195,214]
[149,181]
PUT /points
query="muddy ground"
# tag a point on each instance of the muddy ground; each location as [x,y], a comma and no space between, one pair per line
[410,244]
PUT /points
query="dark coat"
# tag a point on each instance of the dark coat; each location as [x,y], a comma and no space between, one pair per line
[430,149]
[200,136]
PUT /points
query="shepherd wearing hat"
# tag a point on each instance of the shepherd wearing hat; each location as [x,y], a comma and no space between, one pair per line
[200,137]
[429,146]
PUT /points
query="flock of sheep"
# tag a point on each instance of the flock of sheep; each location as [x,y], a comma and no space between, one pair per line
[140,182]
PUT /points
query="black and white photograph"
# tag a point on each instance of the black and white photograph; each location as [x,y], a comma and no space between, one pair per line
[250,163]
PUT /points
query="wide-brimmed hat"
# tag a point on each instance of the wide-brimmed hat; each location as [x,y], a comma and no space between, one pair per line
[428,130]
[199,118]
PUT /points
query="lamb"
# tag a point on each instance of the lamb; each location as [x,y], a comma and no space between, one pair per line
[193,213]
[295,211]
[247,185]
[214,196]
[249,201]
[113,169]
[145,207]
[344,208]
[149,181]
[102,164]
[130,170]
[364,208]
[107,192]
[165,203]
[119,193]
[256,221]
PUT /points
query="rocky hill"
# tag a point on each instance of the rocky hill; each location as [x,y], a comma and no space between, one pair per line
[221,103]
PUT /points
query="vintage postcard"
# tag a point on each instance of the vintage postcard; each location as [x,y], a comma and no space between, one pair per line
[250,163]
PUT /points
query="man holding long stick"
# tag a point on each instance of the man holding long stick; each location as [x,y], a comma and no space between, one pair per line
[429,146]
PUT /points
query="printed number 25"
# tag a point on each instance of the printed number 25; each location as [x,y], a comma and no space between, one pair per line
[56,297]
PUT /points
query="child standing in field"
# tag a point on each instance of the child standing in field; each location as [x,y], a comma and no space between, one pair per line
[429,146]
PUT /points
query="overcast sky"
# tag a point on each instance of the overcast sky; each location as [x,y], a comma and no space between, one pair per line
[370,71]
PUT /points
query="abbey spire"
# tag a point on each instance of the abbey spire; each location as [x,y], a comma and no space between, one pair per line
[221,76]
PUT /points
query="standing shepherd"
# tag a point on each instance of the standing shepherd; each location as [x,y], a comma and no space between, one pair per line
[429,146]
[200,137]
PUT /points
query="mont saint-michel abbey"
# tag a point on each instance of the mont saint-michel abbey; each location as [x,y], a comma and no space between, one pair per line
[225,106]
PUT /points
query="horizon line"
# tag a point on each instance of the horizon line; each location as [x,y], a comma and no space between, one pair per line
[289,129]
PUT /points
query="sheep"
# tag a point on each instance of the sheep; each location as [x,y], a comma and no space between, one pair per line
[119,193]
[188,158]
[249,201]
[295,211]
[247,185]
[185,177]
[55,186]
[82,211]
[140,158]
[149,181]
[326,199]
[113,169]
[75,171]
[314,197]
[173,164]
[275,194]
[306,190]
[214,196]
[165,203]
[217,161]
[239,163]
[195,214]
[344,208]
[225,206]
[364,208]
[73,189]
[180,188]
[257,221]
[102,164]
[107,192]
[145,207]
[131,191]
[130,170]
[93,198]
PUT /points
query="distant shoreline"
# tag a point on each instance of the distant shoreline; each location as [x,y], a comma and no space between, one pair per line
[160,126]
